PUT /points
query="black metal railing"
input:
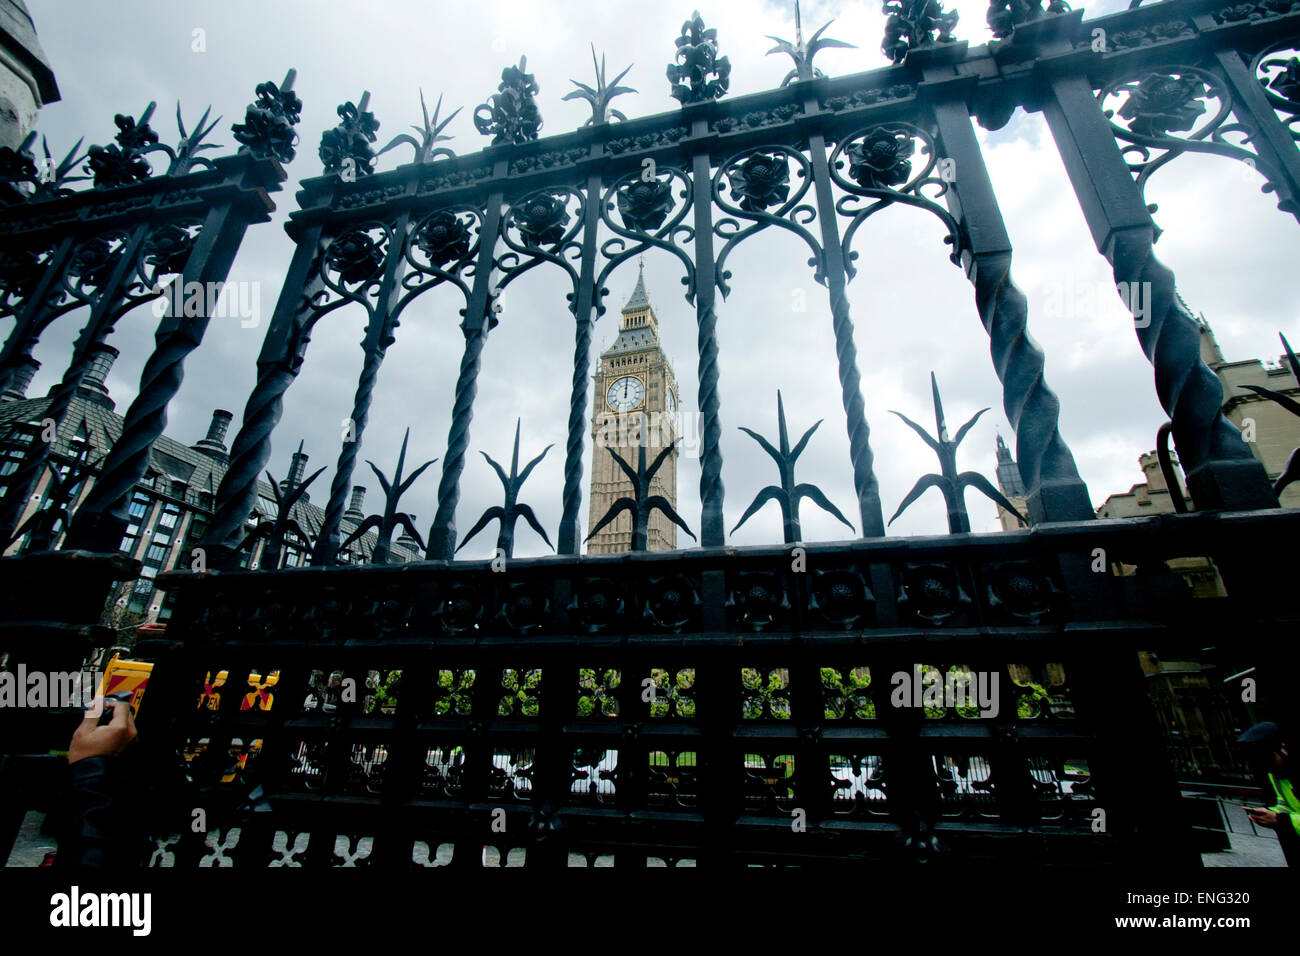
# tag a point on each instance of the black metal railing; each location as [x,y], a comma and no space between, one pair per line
[710,704]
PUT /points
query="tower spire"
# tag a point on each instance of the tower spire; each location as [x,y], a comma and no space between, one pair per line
[639,300]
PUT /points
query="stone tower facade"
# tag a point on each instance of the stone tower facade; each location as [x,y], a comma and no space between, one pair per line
[1012,485]
[635,402]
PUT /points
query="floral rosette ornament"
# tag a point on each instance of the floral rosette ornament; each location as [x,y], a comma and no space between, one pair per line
[881,159]
[645,205]
[541,220]
[168,248]
[1163,103]
[444,238]
[760,181]
[356,257]
[93,262]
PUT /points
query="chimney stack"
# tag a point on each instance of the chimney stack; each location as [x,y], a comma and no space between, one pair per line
[296,469]
[93,385]
[24,372]
[355,503]
[214,445]
[407,542]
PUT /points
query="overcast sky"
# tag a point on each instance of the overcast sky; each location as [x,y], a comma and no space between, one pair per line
[1232,251]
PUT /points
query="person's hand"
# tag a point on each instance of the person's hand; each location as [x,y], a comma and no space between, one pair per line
[1261,817]
[92,740]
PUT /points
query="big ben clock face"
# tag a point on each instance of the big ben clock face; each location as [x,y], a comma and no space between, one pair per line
[670,403]
[625,394]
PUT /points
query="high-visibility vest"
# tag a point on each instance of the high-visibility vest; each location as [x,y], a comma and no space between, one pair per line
[1287,801]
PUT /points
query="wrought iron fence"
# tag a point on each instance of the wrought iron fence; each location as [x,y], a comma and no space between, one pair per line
[685,707]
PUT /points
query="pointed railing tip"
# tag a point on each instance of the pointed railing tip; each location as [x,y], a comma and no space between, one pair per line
[426,148]
[600,96]
[277,530]
[949,481]
[346,148]
[385,524]
[641,504]
[803,54]
[1291,472]
[511,510]
[788,494]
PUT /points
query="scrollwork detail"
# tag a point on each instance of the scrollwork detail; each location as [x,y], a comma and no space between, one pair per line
[759,179]
[1146,110]
[885,167]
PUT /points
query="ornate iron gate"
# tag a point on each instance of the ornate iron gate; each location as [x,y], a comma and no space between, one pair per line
[714,704]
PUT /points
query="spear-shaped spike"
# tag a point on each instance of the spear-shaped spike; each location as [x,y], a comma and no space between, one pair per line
[391,518]
[940,426]
[788,494]
[641,503]
[514,460]
[782,432]
[1291,473]
[1291,358]
[949,482]
[512,510]
[401,458]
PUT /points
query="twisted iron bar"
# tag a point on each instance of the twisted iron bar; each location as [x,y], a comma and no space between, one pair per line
[1189,392]
[276,370]
[855,409]
[575,442]
[711,487]
[103,515]
[146,419]
[1031,406]
[326,544]
[249,454]
[379,336]
[442,535]
[103,314]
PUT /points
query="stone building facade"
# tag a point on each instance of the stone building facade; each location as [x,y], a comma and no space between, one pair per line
[170,508]
[26,80]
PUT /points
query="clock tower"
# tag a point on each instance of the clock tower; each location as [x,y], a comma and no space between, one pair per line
[636,402]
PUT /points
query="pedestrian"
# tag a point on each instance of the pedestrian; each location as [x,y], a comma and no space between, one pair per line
[1266,746]
[93,832]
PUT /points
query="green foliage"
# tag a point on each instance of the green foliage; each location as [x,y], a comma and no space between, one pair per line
[840,691]
[771,692]
[1036,695]
[598,692]
[454,692]
[672,691]
[522,687]
[384,697]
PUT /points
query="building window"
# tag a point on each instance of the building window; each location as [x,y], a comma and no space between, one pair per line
[136,511]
